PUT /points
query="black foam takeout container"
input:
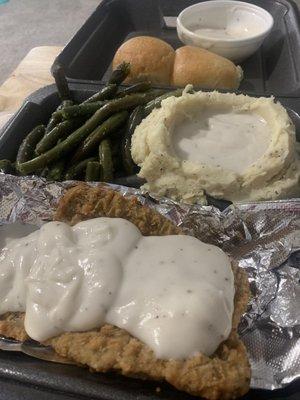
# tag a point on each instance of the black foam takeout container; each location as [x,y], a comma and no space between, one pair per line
[87,59]
[22,377]
[273,69]
[26,378]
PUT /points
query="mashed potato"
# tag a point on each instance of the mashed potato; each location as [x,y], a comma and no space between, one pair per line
[229,146]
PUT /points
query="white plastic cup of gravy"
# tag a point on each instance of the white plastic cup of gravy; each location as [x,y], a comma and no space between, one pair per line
[232,29]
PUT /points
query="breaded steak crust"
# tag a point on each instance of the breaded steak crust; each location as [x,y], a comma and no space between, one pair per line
[224,375]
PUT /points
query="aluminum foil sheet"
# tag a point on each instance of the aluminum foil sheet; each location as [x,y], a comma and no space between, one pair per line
[263,238]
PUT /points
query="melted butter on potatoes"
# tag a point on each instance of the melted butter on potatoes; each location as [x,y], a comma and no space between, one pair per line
[231,146]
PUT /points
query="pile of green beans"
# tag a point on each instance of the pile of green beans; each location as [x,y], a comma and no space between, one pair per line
[90,140]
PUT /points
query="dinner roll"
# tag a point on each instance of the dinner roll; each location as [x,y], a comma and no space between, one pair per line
[150,59]
[204,69]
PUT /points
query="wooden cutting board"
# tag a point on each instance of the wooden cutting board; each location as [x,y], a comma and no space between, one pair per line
[31,74]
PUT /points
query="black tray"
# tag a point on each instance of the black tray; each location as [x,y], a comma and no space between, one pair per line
[26,378]
[273,69]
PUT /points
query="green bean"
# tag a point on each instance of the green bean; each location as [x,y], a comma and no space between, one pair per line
[61,82]
[106,93]
[115,143]
[108,126]
[80,110]
[93,171]
[126,103]
[57,118]
[59,132]
[53,121]
[43,173]
[105,158]
[76,170]
[67,103]
[116,146]
[27,148]
[6,167]
[134,120]
[154,93]
[137,88]
[156,103]
[120,73]
[56,171]
[67,145]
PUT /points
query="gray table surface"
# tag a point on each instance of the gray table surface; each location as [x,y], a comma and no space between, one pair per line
[25,24]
